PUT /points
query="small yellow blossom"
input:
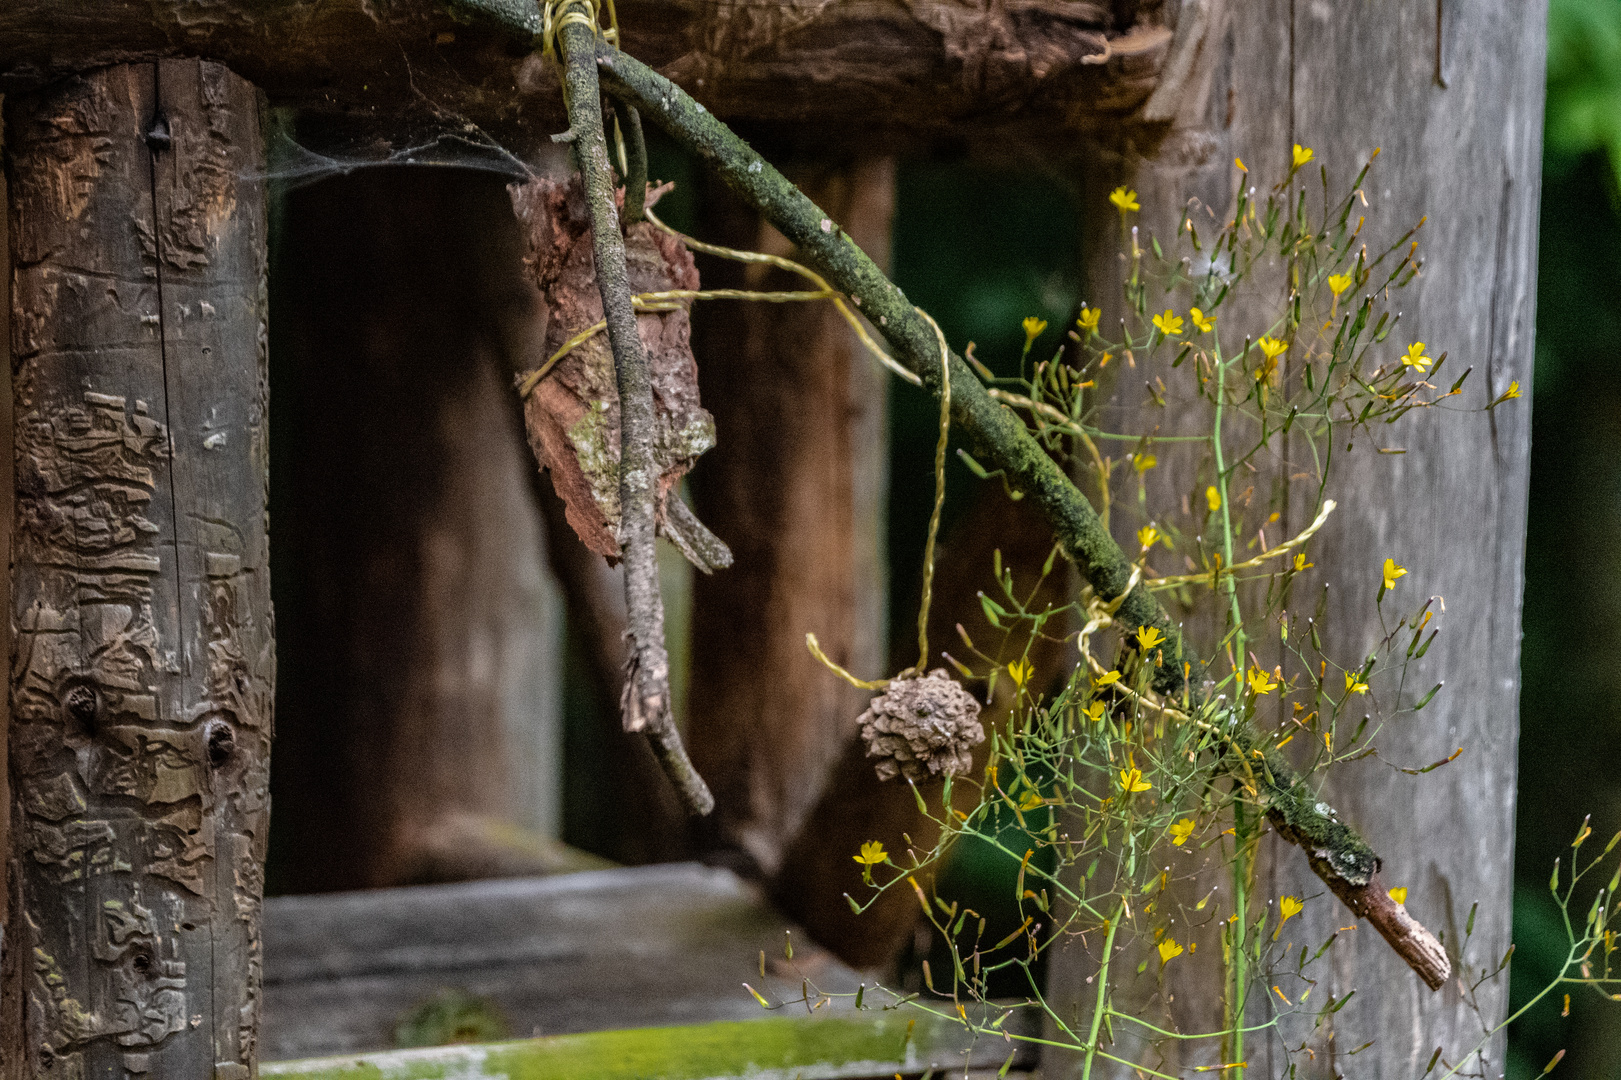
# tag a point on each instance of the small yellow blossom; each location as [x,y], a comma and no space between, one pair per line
[1301,563]
[1031,800]
[1398,894]
[1149,638]
[1205,323]
[1288,908]
[1125,199]
[1143,462]
[1261,684]
[872,853]
[1089,319]
[1354,685]
[1181,830]
[1020,670]
[1513,391]
[1415,357]
[1392,572]
[1302,155]
[1108,678]
[1033,328]
[1169,323]
[1272,347]
[1094,712]
[1338,283]
[1212,497]
[1241,166]
[1131,780]
[1168,950]
[1147,536]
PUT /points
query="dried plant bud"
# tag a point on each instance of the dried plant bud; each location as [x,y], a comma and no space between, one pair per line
[922,727]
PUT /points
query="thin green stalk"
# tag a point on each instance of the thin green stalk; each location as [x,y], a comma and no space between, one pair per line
[1103,991]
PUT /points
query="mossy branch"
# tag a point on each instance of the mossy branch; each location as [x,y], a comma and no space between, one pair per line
[645,701]
[1338,855]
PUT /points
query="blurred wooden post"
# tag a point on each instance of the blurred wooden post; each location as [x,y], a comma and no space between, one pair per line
[143,656]
[1454,98]
[797,485]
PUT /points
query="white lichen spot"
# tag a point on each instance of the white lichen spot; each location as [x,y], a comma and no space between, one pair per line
[702,109]
[149,320]
[827,225]
[215,441]
[755,166]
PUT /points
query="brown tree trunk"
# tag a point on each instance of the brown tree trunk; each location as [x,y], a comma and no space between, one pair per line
[420,725]
[1454,97]
[796,486]
[143,662]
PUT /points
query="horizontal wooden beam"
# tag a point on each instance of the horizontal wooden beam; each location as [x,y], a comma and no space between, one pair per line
[927,65]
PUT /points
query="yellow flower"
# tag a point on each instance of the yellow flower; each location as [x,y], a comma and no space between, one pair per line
[1302,155]
[1181,830]
[1020,671]
[1260,683]
[1415,357]
[1148,638]
[1205,323]
[1354,685]
[1108,678]
[872,853]
[1089,319]
[1125,199]
[1143,462]
[1031,800]
[1168,323]
[1213,498]
[1338,283]
[1240,163]
[1131,780]
[1094,711]
[1147,536]
[1392,572]
[1272,347]
[1033,328]
[1168,950]
[1513,391]
[1288,908]
[1301,563]
[1399,894]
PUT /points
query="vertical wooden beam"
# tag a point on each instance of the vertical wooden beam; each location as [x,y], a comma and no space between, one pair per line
[796,485]
[143,659]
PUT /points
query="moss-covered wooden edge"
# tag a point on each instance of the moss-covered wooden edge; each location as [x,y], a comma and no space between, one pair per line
[876,1044]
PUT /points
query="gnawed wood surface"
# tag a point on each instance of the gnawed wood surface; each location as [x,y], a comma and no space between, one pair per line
[421,709]
[143,658]
[1456,105]
[797,486]
[876,63]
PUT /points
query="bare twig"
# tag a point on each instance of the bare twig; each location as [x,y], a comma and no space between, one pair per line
[632,161]
[1337,853]
[645,700]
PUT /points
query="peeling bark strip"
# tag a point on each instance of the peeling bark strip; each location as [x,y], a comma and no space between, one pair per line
[142,667]
[1337,853]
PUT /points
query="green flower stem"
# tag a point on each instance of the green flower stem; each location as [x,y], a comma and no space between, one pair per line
[1103,991]
[1338,855]
[645,701]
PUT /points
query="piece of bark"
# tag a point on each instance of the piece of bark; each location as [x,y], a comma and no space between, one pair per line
[143,654]
[572,415]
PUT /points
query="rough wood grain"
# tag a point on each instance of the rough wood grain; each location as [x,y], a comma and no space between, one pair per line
[875,63]
[143,662]
[796,485]
[1464,150]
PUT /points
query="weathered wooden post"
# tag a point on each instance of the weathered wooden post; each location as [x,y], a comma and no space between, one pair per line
[142,661]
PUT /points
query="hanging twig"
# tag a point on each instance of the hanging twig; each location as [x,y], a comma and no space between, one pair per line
[1337,854]
[632,161]
[645,700]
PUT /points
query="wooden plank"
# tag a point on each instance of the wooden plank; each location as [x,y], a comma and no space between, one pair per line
[877,63]
[1465,151]
[143,663]
[846,1047]
[665,944]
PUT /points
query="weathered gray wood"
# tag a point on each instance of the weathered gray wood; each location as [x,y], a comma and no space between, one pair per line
[1465,151]
[666,944]
[878,63]
[143,663]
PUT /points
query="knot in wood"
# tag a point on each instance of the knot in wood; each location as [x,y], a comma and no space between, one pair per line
[922,727]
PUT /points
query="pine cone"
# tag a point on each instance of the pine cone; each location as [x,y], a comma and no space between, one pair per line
[922,727]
